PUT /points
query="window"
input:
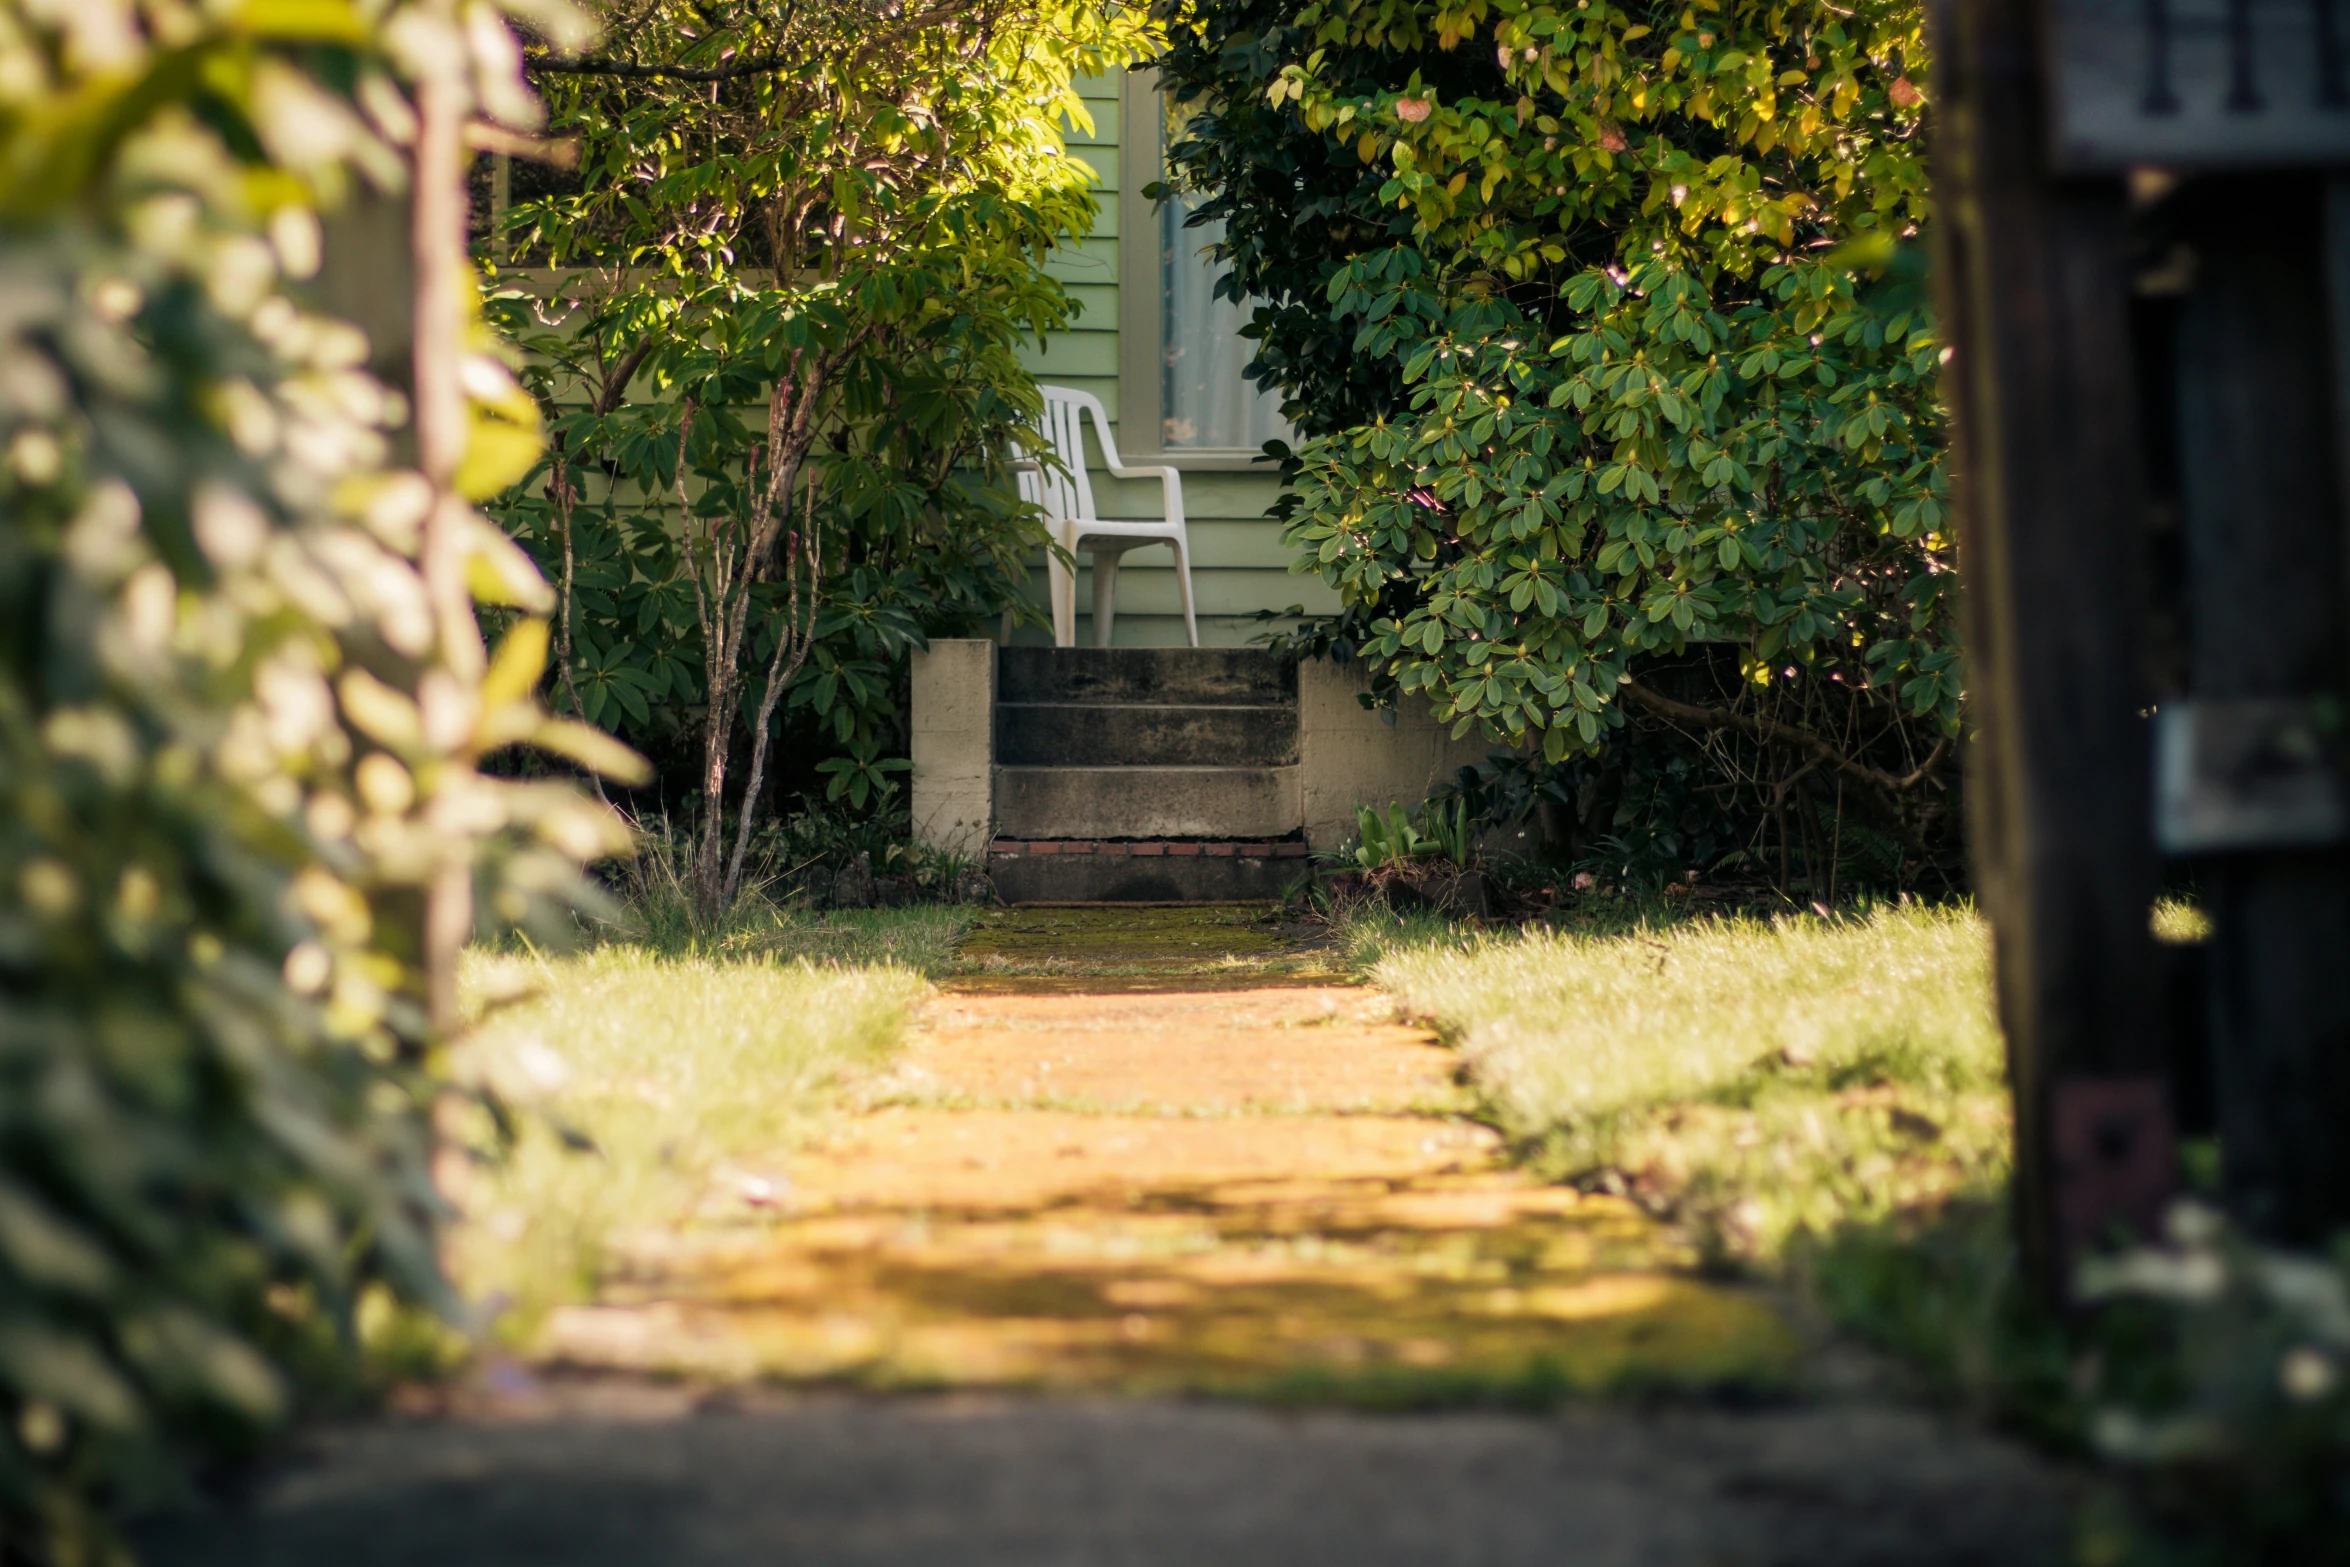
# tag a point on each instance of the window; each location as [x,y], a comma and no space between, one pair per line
[1181,387]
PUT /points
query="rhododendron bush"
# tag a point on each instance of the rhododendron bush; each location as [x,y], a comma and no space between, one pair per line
[1603,324]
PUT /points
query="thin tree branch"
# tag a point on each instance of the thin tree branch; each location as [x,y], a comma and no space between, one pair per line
[560,492]
[437,248]
[616,379]
[562,152]
[719,650]
[798,636]
[1785,734]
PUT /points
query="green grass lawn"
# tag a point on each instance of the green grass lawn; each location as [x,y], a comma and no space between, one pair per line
[659,1076]
[1764,1081]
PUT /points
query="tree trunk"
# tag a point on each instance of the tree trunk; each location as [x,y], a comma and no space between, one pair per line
[738,550]
[794,639]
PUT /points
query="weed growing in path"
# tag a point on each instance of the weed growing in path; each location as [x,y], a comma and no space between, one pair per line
[1196,944]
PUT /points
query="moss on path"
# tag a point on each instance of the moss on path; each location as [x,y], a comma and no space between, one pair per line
[1159,1150]
[1082,949]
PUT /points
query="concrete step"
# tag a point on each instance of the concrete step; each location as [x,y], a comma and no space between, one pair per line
[1099,734]
[1148,802]
[1218,676]
[1159,872]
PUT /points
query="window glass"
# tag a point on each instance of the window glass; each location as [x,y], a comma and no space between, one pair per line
[1205,403]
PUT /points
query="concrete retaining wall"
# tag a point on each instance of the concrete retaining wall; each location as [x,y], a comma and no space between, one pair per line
[953,731]
[1347,755]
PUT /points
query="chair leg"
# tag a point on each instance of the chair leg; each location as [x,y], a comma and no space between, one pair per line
[1061,585]
[1183,586]
[1105,595]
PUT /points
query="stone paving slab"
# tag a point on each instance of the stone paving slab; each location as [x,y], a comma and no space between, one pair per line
[1299,1048]
[976,1160]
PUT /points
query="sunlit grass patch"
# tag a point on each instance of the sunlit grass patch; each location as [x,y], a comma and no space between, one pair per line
[1763,1079]
[656,908]
[921,937]
[2180,921]
[659,1091]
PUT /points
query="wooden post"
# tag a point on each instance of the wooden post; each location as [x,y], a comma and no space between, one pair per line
[2261,496]
[2046,469]
[443,282]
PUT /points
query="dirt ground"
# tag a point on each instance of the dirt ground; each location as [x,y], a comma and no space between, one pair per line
[1126,1166]
[629,1475]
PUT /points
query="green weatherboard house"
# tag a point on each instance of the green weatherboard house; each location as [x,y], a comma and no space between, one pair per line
[1165,358]
[1084,776]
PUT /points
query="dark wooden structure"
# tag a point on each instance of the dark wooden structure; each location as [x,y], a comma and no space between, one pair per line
[2142,266]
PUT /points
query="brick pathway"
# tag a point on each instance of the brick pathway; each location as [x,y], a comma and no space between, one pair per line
[1148,1157]
[1264,1189]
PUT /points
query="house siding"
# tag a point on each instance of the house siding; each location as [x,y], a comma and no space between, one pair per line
[1239,565]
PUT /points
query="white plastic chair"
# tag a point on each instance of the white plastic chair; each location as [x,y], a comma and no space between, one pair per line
[1067,498]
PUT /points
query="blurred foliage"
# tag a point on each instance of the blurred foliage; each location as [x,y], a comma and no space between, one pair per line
[1606,329]
[2214,1383]
[2204,1373]
[818,232]
[239,735]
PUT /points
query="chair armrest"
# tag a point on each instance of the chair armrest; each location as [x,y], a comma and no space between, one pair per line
[1170,481]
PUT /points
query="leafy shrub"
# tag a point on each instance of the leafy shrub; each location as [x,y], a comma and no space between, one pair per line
[777,349]
[242,702]
[1439,829]
[1603,322]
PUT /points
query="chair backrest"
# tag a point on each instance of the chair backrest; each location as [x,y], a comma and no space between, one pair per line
[1068,495]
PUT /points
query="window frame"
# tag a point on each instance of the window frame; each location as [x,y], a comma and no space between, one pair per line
[1141,298]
